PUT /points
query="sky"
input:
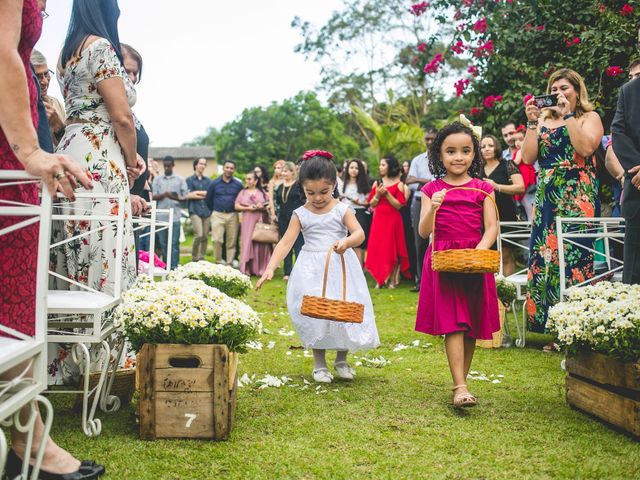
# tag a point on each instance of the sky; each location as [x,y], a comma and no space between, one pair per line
[204,61]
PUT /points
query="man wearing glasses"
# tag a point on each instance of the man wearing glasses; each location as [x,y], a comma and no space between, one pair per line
[54,108]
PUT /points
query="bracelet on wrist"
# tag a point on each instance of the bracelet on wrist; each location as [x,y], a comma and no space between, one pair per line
[532,124]
[568,116]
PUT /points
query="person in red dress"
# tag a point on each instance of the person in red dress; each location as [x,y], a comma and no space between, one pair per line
[20,150]
[387,251]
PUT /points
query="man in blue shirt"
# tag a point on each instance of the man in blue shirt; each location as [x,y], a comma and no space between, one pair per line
[221,199]
[168,191]
[199,212]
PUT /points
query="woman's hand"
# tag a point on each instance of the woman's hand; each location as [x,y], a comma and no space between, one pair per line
[381,190]
[134,172]
[491,182]
[59,172]
[340,246]
[437,199]
[267,275]
[532,111]
[274,218]
[563,107]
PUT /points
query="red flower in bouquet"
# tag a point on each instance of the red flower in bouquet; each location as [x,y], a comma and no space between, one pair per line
[626,10]
[614,71]
[419,8]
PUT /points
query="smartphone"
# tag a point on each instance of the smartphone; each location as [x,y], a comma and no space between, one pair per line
[545,101]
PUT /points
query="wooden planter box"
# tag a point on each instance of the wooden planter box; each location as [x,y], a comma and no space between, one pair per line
[187,391]
[606,388]
[497,336]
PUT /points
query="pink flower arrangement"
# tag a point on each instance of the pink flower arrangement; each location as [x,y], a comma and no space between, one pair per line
[485,49]
[434,65]
[473,70]
[458,47]
[491,100]
[480,26]
[460,86]
[422,47]
[626,10]
[419,8]
[614,71]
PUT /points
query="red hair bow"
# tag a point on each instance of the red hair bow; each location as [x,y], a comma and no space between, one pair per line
[521,128]
[317,153]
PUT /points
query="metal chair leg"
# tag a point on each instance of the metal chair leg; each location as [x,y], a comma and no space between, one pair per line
[91,426]
[4,450]
[108,402]
[522,328]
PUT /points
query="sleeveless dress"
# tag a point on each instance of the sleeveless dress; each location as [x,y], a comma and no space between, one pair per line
[19,249]
[387,247]
[92,143]
[454,302]
[567,187]
[254,256]
[320,232]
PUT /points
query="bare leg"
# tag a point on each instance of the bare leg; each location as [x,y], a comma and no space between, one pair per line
[455,347]
[469,349]
[56,459]
[341,356]
[319,358]
[508,262]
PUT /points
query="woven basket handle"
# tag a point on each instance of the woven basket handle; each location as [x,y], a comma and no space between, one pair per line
[433,234]
[326,272]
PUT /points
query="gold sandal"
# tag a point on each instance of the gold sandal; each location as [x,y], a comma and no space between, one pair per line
[463,400]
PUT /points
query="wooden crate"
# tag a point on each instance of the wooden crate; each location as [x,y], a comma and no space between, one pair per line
[606,388]
[186,391]
[497,336]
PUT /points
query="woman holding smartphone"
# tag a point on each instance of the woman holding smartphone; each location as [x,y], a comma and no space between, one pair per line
[563,139]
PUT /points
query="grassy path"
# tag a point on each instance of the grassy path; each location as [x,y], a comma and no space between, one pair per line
[392,422]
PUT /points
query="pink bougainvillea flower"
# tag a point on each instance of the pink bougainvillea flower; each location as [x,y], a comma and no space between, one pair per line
[540,28]
[528,27]
[475,111]
[491,100]
[626,10]
[422,47]
[467,3]
[473,70]
[572,41]
[434,65]
[485,49]
[576,40]
[458,47]
[614,71]
[419,8]
[480,26]
[414,60]
[458,15]
[460,86]
[526,98]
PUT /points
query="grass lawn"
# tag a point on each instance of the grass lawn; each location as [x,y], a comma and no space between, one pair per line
[391,422]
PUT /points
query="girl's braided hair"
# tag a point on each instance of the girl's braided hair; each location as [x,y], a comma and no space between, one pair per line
[435,161]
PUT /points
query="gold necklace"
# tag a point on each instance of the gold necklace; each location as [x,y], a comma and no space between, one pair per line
[285,196]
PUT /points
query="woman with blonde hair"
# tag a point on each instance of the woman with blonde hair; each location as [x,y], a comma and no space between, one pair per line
[562,138]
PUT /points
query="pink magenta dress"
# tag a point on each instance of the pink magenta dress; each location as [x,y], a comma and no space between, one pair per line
[254,256]
[454,302]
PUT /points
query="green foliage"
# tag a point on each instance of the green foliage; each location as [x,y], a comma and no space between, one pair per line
[283,130]
[531,40]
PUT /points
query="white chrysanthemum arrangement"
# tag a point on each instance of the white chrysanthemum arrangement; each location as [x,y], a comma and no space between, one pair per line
[185,312]
[604,317]
[226,279]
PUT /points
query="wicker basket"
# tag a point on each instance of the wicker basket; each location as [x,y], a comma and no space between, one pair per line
[466,260]
[329,309]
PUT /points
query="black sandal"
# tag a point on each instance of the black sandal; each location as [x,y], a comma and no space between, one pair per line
[88,470]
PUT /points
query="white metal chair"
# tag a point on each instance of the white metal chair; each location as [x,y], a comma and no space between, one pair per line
[607,229]
[156,226]
[516,235]
[17,348]
[81,316]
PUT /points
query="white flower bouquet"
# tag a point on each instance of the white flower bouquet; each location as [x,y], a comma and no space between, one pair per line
[507,291]
[226,279]
[604,318]
[185,312]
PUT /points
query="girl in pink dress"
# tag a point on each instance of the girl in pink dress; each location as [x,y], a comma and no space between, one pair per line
[462,307]
[252,202]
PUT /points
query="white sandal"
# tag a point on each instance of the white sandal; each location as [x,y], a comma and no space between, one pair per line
[344,370]
[322,375]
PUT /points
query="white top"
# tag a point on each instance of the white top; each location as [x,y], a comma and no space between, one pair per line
[420,169]
[320,231]
[351,193]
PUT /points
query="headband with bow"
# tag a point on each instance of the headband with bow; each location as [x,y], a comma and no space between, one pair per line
[317,153]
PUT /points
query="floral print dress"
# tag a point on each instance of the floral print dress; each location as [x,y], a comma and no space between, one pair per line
[90,140]
[567,187]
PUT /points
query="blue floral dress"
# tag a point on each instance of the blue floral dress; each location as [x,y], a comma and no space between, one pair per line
[567,187]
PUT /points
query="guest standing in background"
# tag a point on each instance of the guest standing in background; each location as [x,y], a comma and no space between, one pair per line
[225,224]
[505,178]
[55,111]
[199,212]
[508,135]
[262,176]
[563,139]
[354,193]
[287,198]
[528,173]
[274,183]
[252,202]
[419,175]
[20,150]
[386,250]
[101,135]
[168,191]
